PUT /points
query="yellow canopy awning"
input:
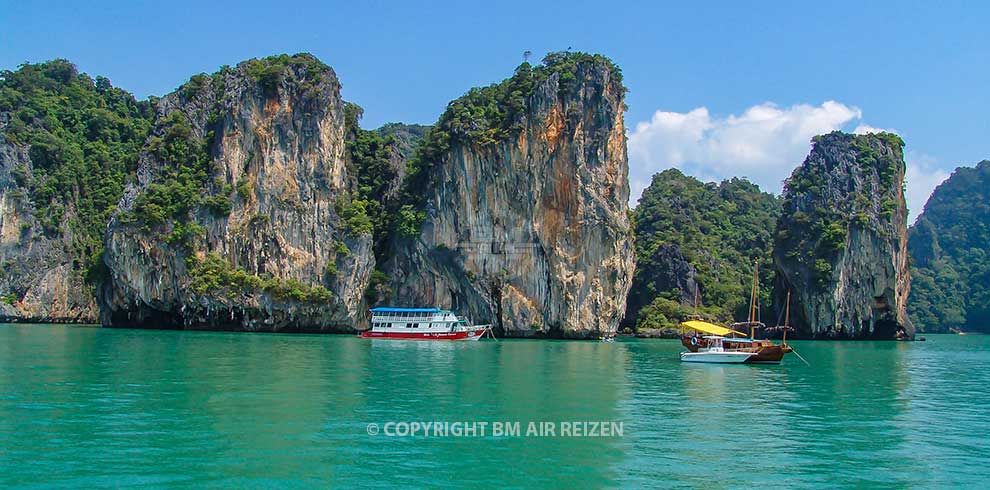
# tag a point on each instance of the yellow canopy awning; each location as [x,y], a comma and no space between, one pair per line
[709,328]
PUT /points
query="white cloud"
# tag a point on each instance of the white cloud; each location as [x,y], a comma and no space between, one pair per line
[764,143]
[921,177]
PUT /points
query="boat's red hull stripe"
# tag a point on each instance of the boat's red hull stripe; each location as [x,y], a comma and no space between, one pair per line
[422,335]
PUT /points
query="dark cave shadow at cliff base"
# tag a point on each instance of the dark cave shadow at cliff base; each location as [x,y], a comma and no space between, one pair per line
[882,330]
[60,321]
[147,318]
[885,330]
[160,320]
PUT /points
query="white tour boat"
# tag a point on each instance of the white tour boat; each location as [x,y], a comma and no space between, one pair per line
[421,324]
[714,352]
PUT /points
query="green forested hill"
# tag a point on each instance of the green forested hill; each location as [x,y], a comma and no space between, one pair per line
[689,232]
[83,137]
[950,253]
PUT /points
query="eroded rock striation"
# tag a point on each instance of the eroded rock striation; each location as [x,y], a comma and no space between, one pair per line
[242,214]
[841,244]
[522,192]
[37,279]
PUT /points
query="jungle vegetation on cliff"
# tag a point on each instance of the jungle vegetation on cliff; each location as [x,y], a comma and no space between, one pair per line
[720,230]
[950,252]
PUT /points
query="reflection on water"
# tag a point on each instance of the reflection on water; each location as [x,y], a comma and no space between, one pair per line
[93,408]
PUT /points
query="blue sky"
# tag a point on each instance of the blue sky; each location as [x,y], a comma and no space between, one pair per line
[737,87]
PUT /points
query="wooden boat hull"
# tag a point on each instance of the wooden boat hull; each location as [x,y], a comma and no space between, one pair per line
[768,355]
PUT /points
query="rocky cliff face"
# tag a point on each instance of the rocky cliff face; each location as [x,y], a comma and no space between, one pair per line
[37,278]
[841,244]
[241,216]
[525,222]
[672,273]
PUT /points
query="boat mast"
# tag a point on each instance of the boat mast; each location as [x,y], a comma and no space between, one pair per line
[787,317]
[752,303]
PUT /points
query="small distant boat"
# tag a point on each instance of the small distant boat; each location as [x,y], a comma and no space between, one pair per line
[421,324]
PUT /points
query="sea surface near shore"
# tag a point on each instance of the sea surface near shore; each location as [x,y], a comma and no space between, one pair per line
[85,407]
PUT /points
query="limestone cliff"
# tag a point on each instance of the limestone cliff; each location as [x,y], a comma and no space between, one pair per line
[522,191]
[841,244]
[671,273]
[242,215]
[37,279]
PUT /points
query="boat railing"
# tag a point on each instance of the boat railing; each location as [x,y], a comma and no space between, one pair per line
[747,324]
[458,321]
[397,318]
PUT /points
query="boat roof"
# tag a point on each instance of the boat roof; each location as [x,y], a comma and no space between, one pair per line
[389,309]
[729,339]
[709,328]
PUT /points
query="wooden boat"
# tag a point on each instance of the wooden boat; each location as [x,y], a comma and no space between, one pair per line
[721,344]
[752,351]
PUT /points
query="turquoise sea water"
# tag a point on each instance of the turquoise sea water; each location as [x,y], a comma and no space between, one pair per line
[94,408]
